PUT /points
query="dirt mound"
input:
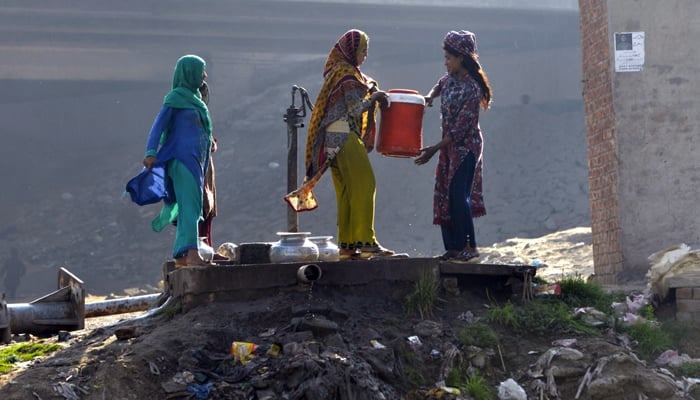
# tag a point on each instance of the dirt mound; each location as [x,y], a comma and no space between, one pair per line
[353,342]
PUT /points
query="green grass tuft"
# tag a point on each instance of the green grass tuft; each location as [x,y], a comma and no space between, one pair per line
[424,295]
[12,354]
[479,335]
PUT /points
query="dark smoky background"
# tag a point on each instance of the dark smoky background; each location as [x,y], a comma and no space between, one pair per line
[83,82]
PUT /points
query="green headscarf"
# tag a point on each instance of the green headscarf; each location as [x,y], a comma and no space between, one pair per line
[187,79]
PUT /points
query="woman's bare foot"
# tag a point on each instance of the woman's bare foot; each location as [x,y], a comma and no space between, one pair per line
[191,259]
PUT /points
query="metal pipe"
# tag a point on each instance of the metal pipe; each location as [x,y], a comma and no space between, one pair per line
[120,306]
[309,273]
[292,217]
[63,309]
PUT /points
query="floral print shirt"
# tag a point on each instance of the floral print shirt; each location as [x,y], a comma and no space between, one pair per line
[460,98]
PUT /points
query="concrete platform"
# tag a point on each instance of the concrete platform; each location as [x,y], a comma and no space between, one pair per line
[201,285]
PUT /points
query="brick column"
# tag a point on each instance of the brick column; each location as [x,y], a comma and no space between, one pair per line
[600,138]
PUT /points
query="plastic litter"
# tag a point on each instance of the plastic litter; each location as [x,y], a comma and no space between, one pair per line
[243,351]
[510,390]
[549,289]
[375,344]
[536,262]
[414,341]
[200,391]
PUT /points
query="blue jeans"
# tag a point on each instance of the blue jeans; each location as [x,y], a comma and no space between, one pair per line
[460,230]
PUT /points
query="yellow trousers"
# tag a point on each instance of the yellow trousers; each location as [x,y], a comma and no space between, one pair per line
[355,190]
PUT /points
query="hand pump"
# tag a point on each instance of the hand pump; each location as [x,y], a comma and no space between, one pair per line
[294,119]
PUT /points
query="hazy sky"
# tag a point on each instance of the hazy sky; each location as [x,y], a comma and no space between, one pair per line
[570,5]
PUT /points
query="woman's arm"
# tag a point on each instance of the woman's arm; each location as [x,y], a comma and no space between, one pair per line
[154,137]
[434,92]
[428,152]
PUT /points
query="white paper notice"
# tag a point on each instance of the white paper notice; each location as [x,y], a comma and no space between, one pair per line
[629,51]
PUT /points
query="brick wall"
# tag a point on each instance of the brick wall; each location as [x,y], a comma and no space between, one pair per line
[600,139]
[688,304]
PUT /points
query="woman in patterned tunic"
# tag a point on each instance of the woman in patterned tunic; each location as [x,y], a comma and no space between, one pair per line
[340,135]
[463,90]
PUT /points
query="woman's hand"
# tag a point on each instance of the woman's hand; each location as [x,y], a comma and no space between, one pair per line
[381,96]
[148,162]
[426,154]
[428,101]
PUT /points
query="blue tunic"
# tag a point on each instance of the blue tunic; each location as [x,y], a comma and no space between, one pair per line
[181,135]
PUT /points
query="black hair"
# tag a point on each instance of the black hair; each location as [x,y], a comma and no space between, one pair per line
[473,67]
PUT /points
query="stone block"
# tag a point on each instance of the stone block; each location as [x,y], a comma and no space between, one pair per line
[689,306]
[684,293]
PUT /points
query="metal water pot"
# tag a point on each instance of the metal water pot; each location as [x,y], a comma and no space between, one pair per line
[293,247]
[327,250]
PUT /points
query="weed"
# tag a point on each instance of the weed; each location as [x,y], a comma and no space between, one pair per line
[504,315]
[472,384]
[478,334]
[172,310]
[23,352]
[478,388]
[683,335]
[578,293]
[651,339]
[425,294]
[690,369]
[540,316]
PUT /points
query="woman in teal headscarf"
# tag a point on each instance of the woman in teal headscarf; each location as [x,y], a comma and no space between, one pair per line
[180,141]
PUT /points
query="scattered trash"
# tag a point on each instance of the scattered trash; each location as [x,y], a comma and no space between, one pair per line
[274,350]
[564,342]
[243,351]
[69,391]
[440,391]
[268,333]
[468,317]
[549,289]
[665,357]
[183,378]
[375,344]
[672,359]
[63,336]
[434,353]
[200,391]
[591,316]
[414,341]
[270,350]
[635,303]
[537,263]
[153,368]
[511,390]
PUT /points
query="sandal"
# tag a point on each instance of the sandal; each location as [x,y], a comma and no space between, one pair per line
[375,250]
[466,256]
[349,254]
[449,254]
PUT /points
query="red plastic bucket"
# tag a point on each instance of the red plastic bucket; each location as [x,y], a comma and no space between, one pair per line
[401,124]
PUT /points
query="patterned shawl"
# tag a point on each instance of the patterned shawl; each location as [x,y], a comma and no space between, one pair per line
[341,76]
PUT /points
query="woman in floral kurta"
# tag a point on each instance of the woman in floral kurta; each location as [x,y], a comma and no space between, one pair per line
[463,90]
